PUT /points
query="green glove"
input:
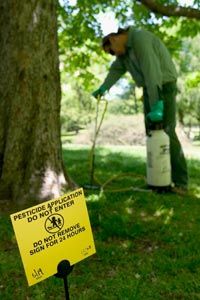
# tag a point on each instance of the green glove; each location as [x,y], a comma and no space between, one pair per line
[98,93]
[156,114]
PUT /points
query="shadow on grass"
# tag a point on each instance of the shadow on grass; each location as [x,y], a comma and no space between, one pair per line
[108,163]
[148,236]
[131,214]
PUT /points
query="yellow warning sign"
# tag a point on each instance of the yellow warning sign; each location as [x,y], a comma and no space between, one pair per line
[53,231]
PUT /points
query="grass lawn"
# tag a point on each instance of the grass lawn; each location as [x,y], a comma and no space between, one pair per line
[148,245]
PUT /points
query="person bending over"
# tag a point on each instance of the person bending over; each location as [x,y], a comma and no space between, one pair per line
[147,59]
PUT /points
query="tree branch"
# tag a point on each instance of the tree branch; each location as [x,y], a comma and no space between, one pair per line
[171,10]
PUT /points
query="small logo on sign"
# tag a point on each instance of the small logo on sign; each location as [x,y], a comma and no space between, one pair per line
[54,223]
[86,250]
[37,274]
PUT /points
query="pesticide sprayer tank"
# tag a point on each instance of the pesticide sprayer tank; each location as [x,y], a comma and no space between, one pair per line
[158,159]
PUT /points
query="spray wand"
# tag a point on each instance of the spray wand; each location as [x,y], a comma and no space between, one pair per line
[96,133]
[102,186]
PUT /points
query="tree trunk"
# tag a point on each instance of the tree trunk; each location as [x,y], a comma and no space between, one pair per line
[30,147]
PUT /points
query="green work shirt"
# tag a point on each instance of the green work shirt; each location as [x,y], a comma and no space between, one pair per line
[147,60]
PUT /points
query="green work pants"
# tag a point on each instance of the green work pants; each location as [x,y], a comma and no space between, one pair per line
[178,162]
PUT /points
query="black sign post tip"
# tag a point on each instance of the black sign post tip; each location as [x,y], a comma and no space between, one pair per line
[64,269]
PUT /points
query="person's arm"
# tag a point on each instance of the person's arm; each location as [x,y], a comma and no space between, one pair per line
[117,69]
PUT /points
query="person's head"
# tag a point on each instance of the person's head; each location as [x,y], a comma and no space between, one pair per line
[115,42]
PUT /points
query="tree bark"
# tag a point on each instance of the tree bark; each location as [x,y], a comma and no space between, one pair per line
[31,166]
[171,10]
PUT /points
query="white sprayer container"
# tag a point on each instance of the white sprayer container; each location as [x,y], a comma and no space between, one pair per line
[158,159]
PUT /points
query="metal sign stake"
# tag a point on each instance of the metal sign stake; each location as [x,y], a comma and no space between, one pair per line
[64,269]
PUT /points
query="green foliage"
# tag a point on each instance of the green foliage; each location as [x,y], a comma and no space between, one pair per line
[189,82]
[125,107]
[79,43]
[77,107]
[189,105]
[194,80]
[80,31]
[84,63]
